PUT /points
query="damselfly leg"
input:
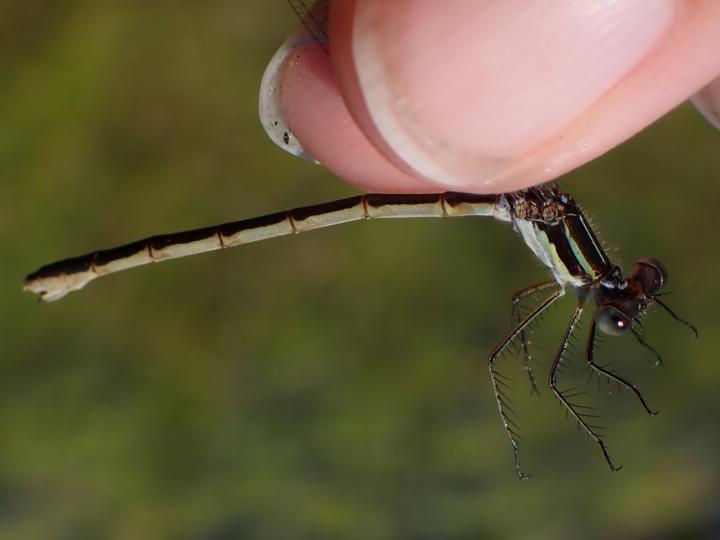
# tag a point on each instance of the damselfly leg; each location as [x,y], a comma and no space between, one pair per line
[582,418]
[640,338]
[670,312]
[498,380]
[517,316]
[589,356]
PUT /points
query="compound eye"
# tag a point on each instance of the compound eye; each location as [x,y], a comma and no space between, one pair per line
[650,274]
[611,320]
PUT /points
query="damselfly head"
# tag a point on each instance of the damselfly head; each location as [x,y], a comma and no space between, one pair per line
[622,303]
[649,276]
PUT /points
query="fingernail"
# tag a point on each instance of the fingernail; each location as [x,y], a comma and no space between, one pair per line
[707,101]
[459,92]
[310,31]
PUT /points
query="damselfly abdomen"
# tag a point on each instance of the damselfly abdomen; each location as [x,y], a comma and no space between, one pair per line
[549,221]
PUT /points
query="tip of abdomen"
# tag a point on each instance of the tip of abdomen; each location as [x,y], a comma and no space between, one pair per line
[51,286]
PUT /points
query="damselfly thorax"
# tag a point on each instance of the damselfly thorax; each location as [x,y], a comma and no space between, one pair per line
[549,221]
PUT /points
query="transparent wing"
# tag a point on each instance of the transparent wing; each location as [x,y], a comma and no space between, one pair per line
[314,19]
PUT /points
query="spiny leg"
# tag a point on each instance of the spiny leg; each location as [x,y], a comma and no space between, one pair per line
[579,417]
[674,316]
[641,340]
[499,385]
[609,374]
[517,315]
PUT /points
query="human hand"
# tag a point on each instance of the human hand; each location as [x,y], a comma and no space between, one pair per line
[481,96]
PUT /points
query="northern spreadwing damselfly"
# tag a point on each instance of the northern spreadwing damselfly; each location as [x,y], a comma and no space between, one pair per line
[548,220]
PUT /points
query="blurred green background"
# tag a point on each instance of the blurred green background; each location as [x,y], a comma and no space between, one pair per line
[327,386]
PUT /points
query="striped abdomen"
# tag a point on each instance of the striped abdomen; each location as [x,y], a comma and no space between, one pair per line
[55,280]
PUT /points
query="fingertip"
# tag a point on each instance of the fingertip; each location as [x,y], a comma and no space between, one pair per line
[465,92]
[314,109]
[441,109]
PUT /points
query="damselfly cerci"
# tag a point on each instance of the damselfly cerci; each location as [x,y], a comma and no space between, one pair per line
[548,220]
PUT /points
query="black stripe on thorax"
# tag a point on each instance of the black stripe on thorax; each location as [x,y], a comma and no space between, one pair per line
[557,236]
[584,237]
[576,245]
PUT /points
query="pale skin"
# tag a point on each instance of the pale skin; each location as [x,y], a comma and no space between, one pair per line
[486,96]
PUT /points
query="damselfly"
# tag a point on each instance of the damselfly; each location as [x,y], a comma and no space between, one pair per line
[549,221]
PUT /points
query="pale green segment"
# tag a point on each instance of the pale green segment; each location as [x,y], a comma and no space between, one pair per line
[557,263]
[578,253]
